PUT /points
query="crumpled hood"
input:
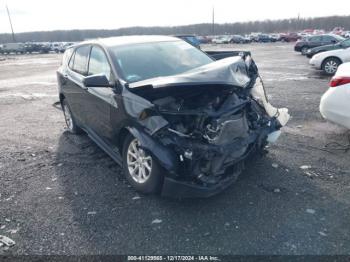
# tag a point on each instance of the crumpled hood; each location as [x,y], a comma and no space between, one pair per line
[230,71]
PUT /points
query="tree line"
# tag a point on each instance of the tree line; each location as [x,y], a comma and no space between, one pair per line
[266,26]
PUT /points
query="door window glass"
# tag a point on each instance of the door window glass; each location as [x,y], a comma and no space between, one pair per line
[80,59]
[98,63]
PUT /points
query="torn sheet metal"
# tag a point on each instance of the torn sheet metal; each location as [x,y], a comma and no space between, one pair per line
[281,114]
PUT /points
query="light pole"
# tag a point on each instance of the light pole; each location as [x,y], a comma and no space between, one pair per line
[13,34]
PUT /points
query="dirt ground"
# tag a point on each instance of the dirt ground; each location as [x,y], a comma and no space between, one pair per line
[61,194]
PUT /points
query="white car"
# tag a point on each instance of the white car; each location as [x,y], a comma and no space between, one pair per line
[335,105]
[330,60]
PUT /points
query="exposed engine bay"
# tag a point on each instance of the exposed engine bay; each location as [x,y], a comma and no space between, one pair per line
[208,127]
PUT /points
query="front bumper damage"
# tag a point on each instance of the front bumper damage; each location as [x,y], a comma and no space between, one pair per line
[203,146]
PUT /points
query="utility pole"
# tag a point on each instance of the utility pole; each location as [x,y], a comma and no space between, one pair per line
[213,22]
[13,34]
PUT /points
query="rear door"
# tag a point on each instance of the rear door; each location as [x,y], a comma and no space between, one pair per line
[75,90]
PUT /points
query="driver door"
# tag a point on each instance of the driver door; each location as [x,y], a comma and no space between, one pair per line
[99,99]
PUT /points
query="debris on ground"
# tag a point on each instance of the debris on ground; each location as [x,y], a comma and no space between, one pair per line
[274,165]
[136,198]
[2,226]
[92,213]
[311,174]
[48,188]
[304,167]
[12,231]
[157,221]
[310,211]
[7,241]
[277,190]
[322,233]
[206,234]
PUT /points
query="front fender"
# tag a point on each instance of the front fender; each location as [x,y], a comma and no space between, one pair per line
[165,156]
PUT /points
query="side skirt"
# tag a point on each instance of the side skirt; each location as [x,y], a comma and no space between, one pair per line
[107,147]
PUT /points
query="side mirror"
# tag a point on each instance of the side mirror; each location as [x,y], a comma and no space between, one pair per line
[96,81]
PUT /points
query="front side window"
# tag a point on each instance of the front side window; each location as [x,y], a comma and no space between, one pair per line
[156,59]
[315,39]
[81,59]
[328,39]
[98,63]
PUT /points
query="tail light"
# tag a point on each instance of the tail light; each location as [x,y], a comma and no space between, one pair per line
[339,80]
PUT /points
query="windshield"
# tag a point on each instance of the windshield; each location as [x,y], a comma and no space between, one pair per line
[346,43]
[338,37]
[148,60]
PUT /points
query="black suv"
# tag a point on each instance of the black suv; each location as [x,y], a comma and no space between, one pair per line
[177,121]
[314,41]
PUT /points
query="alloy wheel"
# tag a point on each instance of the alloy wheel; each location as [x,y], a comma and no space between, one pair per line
[139,162]
[331,67]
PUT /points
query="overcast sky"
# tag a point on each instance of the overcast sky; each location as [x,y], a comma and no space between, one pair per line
[37,15]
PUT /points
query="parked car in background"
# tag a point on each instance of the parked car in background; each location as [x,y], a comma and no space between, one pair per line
[264,38]
[16,48]
[191,39]
[341,45]
[238,39]
[57,47]
[204,39]
[335,105]
[330,60]
[289,37]
[314,41]
[176,120]
[346,34]
[338,30]
[221,40]
[276,37]
[31,47]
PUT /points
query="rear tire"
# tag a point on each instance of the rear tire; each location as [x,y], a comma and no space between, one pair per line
[330,65]
[140,168]
[69,119]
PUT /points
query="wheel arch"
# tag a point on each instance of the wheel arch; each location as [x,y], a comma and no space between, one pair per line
[123,133]
[329,57]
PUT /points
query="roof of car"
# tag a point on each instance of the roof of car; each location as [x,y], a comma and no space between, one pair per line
[136,39]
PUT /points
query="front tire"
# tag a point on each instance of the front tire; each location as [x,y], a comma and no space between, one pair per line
[140,168]
[304,50]
[330,65]
[69,119]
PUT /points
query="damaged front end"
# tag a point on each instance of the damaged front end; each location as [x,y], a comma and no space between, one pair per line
[202,125]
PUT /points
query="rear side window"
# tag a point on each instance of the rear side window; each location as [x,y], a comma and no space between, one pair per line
[98,63]
[66,56]
[80,60]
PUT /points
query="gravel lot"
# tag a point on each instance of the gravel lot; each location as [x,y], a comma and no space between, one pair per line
[61,194]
